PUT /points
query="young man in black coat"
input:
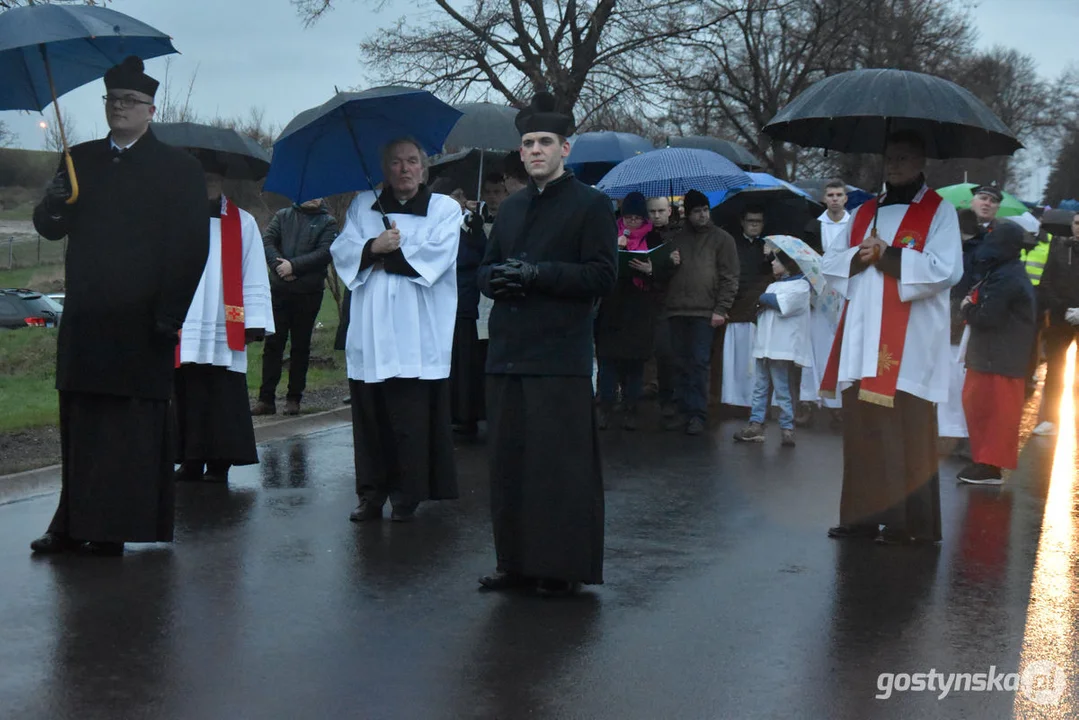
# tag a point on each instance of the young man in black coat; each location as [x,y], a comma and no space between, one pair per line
[137,244]
[552,253]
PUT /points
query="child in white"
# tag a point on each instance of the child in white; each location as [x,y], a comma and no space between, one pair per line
[782,341]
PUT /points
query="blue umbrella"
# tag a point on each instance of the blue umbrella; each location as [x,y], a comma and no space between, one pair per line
[762,183]
[335,147]
[671,172]
[48,50]
[593,154]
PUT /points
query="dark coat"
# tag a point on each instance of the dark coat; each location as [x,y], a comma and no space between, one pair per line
[138,239]
[303,237]
[1002,326]
[469,256]
[960,289]
[626,323]
[1059,287]
[754,278]
[569,232]
[706,281]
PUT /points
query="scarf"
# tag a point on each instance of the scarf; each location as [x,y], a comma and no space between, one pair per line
[636,240]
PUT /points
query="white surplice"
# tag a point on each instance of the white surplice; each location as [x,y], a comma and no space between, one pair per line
[822,326]
[401,327]
[784,334]
[926,278]
[203,339]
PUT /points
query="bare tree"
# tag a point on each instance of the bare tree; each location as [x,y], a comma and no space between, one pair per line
[53,141]
[253,125]
[6,136]
[589,55]
[173,104]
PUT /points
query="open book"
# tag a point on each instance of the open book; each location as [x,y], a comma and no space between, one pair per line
[658,255]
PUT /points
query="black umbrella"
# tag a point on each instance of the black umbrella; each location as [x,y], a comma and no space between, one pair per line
[732,151]
[486,126]
[220,150]
[1057,221]
[853,112]
[461,169]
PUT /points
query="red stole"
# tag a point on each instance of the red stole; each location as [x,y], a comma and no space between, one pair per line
[232,276]
[895,314]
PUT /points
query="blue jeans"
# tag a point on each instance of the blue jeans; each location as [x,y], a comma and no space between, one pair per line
[773,375]
[627,373]
[691,343]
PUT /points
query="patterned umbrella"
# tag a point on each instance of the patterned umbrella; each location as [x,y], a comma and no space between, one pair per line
[671,172]
[828,300]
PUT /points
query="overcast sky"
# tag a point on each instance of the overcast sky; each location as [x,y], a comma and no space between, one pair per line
[257,53]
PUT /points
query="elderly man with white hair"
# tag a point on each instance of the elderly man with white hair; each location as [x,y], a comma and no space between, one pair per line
[398,255]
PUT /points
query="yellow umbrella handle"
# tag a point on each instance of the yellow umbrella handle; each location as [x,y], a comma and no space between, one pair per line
[71,176]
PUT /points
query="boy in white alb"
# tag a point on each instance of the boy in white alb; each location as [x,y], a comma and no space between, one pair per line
[781,342]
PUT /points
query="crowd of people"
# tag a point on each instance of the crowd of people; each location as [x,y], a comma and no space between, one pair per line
[545,311]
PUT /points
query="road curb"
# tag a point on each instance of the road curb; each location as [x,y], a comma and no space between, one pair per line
[44,481]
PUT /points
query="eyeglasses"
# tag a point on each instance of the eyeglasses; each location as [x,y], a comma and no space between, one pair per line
[126,101]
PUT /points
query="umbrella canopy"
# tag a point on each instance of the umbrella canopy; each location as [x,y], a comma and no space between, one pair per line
[1058,221]
[853,112]
[809,262]
[486,126]
[220,150]
[960,195]
[732,151]
[462,169]
[594,154]
[673,172]
[336,147]
[787,208]
[81,42]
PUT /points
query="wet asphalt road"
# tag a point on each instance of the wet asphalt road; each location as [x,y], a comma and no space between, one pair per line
[723,598]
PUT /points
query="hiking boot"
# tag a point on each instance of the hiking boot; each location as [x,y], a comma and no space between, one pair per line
[292,407]
[264,408]
[788,438]
[980,474]
[753,432]
[695,426]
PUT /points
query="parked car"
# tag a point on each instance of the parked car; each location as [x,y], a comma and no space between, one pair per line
[28,308]
[58,297]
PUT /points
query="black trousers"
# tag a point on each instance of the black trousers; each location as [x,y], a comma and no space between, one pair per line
[294,317]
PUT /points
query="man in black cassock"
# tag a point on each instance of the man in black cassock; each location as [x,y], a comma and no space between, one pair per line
[552,253]
[137,244]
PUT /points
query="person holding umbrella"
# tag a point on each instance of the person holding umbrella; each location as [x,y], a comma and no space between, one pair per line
[404,306]
[137,244]
[891,354]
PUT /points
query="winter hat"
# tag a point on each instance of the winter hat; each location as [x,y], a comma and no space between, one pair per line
[129,75]
[541,116]
[635,204]
[695,199]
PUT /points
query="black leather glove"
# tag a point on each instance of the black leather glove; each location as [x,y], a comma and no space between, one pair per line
[57,193]
[503,285]
[520,272]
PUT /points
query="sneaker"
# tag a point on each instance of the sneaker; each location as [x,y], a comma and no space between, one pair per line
[788,438]
[753,432]
[695,426]
[980,474]
[1045,429]
[264,408]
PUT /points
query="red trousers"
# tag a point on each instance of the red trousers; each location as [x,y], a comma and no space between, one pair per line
[994,408]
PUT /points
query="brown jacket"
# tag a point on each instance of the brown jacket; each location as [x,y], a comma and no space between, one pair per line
[707,278]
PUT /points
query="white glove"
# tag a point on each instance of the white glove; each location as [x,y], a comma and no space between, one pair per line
[1072,316]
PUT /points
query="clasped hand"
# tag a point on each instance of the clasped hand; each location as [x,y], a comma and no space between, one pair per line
[388,241]
[512,279]
[871,250]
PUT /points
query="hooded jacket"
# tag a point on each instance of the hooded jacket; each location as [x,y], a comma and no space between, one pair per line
[1001,318]
[1059,287]
[303,237]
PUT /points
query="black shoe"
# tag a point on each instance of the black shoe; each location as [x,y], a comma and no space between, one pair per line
[403,513]
[366,510]
[557,588]
[499,580]
[980,474]
[695,426]
[216,473]
[189,472]
[53,544]
[103,549]
[853,531]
